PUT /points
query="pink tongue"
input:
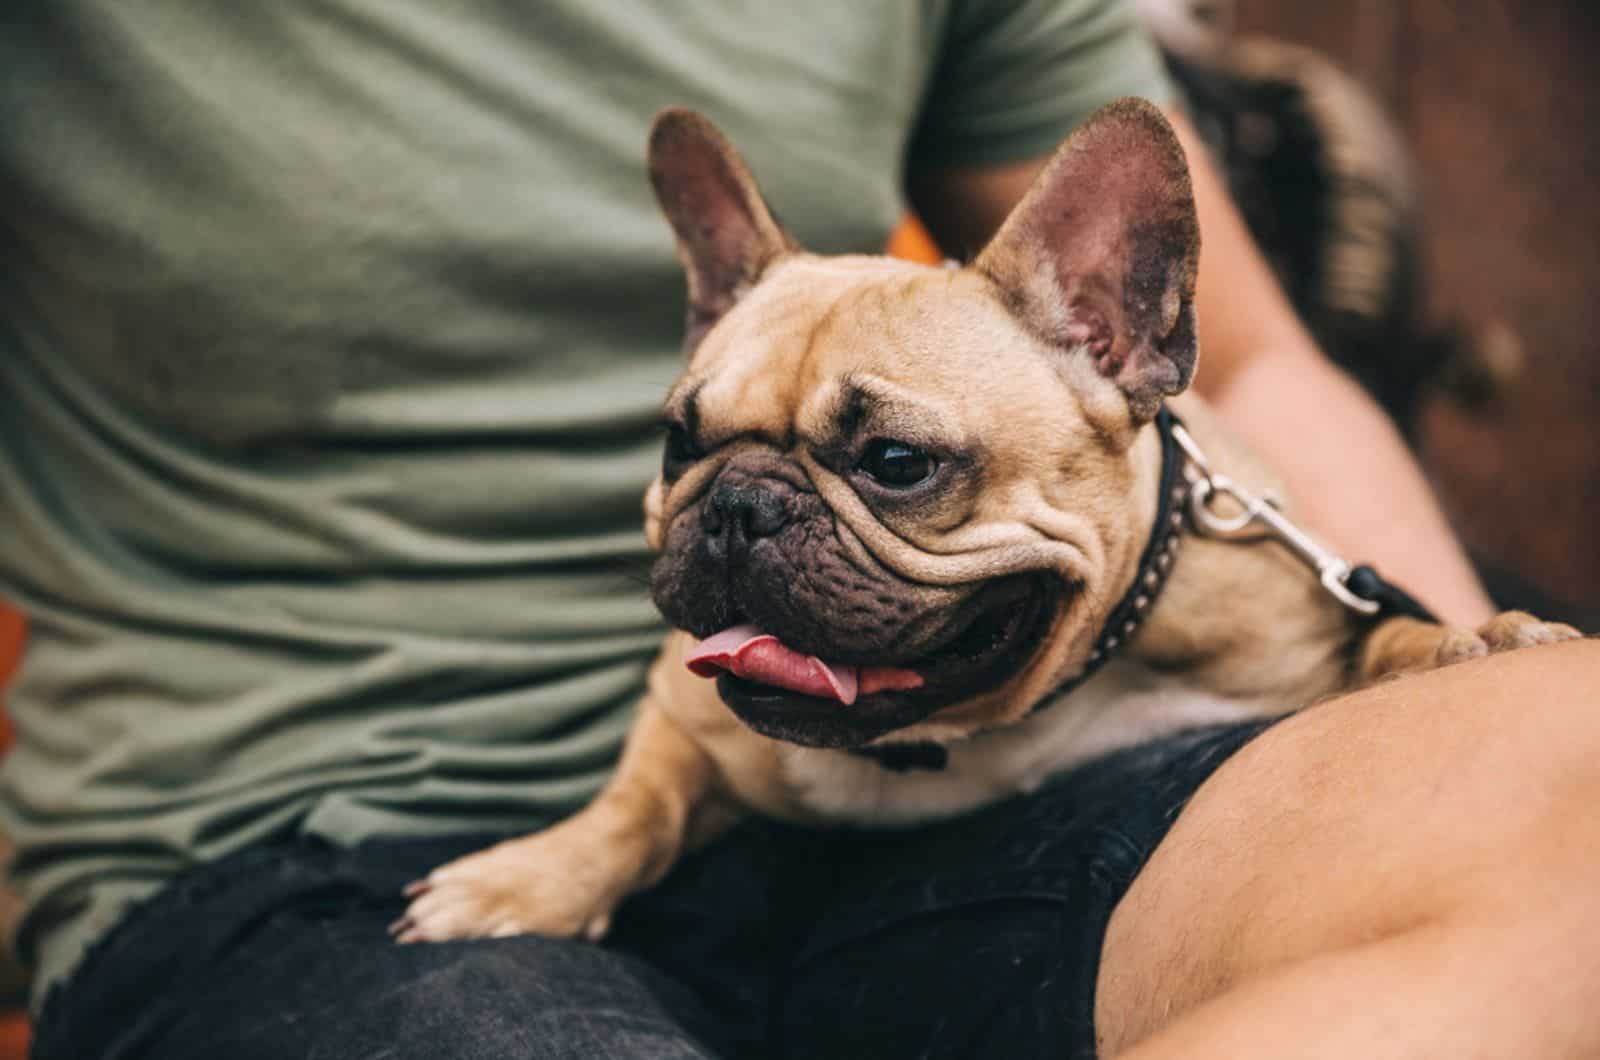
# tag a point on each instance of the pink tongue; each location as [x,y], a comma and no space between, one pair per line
[746,652]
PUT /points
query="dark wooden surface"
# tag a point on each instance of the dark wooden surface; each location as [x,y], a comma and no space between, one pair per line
[1496,98]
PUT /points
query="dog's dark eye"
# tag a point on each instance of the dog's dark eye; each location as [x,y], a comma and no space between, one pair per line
[896,464]
[680,451]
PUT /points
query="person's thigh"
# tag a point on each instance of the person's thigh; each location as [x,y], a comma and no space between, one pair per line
[525,997]
[283,952]
[1464,792]
[981,936]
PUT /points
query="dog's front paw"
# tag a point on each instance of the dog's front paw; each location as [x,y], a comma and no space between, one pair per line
[1518,629]
[1406,645]
[561,883]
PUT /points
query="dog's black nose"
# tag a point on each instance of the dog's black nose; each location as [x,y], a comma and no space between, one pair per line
[737,514]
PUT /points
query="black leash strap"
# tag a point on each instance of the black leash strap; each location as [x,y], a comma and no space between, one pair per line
[1392,601]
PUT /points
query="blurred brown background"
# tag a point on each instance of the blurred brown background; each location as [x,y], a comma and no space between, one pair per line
[1494,98]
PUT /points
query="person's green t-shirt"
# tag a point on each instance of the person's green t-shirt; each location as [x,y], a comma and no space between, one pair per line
[332,339]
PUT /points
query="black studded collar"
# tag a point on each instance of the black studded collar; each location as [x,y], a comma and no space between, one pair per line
[1155,563]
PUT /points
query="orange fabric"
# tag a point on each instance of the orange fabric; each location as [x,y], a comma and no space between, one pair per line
[912,242]
[10,641]
[14,1035]
[11,630]
[14,1031]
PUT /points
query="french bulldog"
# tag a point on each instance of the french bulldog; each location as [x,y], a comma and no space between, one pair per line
[898,505]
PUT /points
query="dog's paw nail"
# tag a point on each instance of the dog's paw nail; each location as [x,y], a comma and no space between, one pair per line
[400,927]
[416,887]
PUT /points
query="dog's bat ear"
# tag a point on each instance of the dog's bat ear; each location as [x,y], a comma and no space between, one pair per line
[726,234]
[1100,255]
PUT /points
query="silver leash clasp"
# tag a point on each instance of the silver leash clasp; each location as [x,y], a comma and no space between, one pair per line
[1260,517]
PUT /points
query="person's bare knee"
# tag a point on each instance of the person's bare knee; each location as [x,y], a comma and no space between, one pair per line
[1427,798]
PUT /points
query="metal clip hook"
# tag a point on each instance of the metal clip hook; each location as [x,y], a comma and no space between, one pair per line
[1262,515]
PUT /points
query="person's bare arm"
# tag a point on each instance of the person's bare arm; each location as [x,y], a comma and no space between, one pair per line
[1341,457]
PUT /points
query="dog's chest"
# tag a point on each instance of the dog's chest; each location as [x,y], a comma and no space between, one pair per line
[1123,705]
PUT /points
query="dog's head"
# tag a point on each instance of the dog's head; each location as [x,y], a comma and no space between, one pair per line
[901,499]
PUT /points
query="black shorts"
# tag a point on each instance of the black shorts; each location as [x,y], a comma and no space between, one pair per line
[972,938]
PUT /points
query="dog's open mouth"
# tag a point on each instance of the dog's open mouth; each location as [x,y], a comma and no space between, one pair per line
[802,698]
